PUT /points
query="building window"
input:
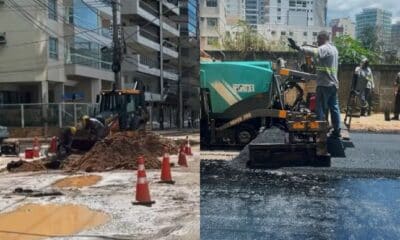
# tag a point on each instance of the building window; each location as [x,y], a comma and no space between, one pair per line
[305,34]
[279,18]
[279,9]
[283,33]
[212,3]
[212,41]
[279,1]
[314,34]
[212,22]
[52,6]
[273,32]
[290,33]
[53,48]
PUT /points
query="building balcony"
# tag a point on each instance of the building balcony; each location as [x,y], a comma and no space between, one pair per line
[171,6]
[149,40]
[150,13]
[147,65]
[84,66]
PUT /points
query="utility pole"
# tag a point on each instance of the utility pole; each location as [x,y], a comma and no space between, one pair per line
[180,97]
[116,65]
[161,51]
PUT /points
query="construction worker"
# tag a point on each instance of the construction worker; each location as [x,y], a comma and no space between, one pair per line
[95,127]
[326,58]
[66,138]
[365,86]
[397,97]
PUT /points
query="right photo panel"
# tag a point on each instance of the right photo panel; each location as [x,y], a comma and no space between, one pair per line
[299,122]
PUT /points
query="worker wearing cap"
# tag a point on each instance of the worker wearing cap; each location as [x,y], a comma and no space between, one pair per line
[95,127]
[326,58]
[397,97]
[365,86]
[66,138]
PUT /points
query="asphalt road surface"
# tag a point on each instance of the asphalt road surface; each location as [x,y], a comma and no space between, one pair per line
[357,198]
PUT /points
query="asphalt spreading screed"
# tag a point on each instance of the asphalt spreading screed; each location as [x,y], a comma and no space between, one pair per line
[272,135]
[77,181]
[34,221]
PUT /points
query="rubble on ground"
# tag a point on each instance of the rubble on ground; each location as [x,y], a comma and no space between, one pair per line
[25,166]
[121,151]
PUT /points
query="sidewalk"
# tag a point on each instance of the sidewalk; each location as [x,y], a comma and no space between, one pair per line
[374,123]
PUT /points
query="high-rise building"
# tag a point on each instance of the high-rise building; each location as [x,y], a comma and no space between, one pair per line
[377,20]
[293,12]
[343,26]
[300,20]
[254,11]
[395,36]
[151,36]
[212,23]
[235,11]
[190,58]
[52,51]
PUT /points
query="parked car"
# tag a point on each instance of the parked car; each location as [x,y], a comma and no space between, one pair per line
[3,133]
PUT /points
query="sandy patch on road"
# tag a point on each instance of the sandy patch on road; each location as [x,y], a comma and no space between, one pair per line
[374,123]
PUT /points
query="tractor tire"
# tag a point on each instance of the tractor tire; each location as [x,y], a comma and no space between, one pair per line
[245,134]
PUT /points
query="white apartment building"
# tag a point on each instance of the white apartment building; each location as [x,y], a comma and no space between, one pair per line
[52,50]
[302,35]
[151,46]
[235,11]
[343,26]
[212,23]
[295,12]
[151,36]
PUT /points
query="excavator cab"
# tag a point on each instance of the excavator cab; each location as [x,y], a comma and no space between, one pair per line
[125,108]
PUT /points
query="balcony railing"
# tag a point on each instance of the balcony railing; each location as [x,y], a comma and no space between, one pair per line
[75,58]
[153,37]
[149,8]
[151,62]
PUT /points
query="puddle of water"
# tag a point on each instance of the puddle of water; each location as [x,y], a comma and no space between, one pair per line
[78,181]
[34,221]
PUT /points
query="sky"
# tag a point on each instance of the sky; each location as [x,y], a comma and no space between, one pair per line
[349,8]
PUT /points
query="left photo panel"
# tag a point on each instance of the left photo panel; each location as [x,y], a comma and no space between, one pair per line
[99,119]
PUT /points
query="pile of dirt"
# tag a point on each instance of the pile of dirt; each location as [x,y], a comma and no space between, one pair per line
[121,151]
[24,166]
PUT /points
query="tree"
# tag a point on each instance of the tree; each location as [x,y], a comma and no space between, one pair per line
[244,39]
[369,38]
[352,51]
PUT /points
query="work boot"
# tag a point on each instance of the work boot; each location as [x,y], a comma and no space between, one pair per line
[336,133]
[396,117]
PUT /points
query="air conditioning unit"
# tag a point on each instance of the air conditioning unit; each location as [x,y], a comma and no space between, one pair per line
[3,39]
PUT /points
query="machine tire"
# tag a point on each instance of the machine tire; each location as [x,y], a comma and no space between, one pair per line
[245,134]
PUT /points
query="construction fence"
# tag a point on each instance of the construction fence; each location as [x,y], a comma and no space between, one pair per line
[68,114]
[39,115]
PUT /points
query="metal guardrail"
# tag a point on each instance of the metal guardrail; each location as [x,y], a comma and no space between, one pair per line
[39,115]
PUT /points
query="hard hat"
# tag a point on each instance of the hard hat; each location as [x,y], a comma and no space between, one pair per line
[73,130]
[364,60]
[86,117]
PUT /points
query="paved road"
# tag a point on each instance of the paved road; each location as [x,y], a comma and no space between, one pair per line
[358,198]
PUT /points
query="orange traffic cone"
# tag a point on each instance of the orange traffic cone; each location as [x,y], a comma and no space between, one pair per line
[142,187]
[188,148]
[182,157]
[166,169]
[53,145]
[36,147]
